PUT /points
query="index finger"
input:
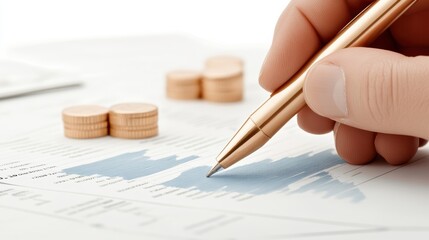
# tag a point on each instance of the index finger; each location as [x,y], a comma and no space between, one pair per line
[302,29]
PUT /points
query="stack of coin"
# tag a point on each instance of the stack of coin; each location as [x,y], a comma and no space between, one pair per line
[85,121]
[223,83]
[133,120]
[184,84]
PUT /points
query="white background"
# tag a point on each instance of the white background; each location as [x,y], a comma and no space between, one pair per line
[228,22]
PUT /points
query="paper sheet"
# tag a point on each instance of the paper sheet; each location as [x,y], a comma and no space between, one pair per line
[295,186]
[21,79]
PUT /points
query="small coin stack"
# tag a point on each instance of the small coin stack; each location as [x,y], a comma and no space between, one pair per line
[85,121]
[223,83]
[184,84]
[133,120]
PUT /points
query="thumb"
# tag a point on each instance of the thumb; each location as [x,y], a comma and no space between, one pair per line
[372,89]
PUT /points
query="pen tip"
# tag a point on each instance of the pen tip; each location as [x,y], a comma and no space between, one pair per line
[214,169]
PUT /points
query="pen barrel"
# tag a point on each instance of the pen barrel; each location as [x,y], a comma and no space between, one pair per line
[286,101]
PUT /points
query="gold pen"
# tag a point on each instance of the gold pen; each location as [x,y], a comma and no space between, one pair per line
[286,101]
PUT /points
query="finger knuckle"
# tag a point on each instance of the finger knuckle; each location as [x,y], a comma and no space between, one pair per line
[381,86]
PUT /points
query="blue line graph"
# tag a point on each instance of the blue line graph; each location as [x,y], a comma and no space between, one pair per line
[128,166]
[268,176]
[257,178]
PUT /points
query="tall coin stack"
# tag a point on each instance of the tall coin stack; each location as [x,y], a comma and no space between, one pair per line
[223,79]
[184,84]
[133,120]
[85,121]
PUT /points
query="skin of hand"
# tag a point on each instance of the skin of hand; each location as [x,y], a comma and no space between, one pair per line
[374,99]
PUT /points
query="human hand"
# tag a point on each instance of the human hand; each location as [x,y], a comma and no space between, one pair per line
[376,100]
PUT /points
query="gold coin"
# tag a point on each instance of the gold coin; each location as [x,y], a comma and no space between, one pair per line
[223,60]
[231,84]
[85,134]
[139,134]
[184,88]
[83,127]
[222,72]
[85,114]
[134,128]
[119,120]
[134,110]
[183,77]
[223,96]
[184,93]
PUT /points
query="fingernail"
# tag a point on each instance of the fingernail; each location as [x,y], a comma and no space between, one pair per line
[325,90]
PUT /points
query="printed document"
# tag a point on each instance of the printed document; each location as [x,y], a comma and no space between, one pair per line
[156,188]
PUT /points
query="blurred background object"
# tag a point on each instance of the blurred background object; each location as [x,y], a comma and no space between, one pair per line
[239,22]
